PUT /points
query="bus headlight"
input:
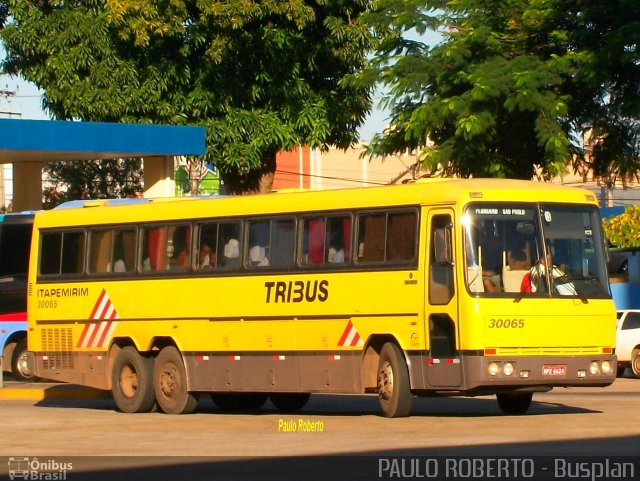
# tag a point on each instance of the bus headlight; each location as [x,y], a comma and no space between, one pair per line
[494,368]
[507,369]
[606,367]
[594,369]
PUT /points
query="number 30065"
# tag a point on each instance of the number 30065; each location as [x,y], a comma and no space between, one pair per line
[506,323]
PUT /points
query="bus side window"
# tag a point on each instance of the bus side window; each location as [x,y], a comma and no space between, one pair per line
[401,236]
[50,253]
[124,250]
[178,248]
[314,236]
[259,236]
[153,249]
[338,241]
[62,253]
[100,251]
[207,246]
[283,242]
[229,245]
[372,237]
[72,253]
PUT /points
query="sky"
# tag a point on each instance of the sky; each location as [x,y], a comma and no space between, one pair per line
[26,103]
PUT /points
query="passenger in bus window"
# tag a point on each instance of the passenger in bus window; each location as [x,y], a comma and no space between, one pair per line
[335,254]
[489,282]
[118,254]
[118,266]
[204,259]
[231,253]
[258,257]
[518,260]
[538,277]
[182,260]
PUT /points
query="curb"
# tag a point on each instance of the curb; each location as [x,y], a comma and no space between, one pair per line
[47,392]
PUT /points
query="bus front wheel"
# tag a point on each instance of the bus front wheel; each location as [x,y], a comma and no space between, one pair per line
[514,403]
[131,381]
[170,383]
[394,391]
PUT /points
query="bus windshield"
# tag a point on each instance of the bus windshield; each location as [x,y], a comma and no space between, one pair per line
[541,250]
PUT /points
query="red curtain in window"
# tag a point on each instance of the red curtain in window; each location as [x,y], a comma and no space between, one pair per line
[156,248]
[346,234]
[316,241]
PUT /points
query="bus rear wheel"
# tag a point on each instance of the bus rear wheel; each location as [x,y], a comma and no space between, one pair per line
[170,383]
[19,363]
[394,390]
[131,381]
[290,401]
[514,403]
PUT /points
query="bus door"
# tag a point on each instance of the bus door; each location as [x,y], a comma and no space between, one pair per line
[443,366]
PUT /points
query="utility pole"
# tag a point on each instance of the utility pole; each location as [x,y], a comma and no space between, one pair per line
[6,170]
[6,96]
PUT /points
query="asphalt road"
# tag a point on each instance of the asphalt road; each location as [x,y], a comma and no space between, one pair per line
[333,437]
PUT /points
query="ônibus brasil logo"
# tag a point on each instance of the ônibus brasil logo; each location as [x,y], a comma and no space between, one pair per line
[38,469]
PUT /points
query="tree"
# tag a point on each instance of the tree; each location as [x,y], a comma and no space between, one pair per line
[622,230]
[513,87]
[606,105]
[98,179]
[261,76]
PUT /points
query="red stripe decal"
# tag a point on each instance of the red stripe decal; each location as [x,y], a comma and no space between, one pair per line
[345,334]
[95,308]
[104,334]
[84,333]
[93,335]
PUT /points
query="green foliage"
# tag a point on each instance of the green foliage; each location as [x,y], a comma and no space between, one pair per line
[624,229]
[278,65]
[96,179]
[513,86]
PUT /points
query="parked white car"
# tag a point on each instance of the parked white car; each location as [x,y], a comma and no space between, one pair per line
[628,341]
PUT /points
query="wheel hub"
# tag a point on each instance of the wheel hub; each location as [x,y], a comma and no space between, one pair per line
[168,383]
[23,366]
[385,381]
[128,381]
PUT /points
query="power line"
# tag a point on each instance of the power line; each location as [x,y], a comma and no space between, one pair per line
[326,177]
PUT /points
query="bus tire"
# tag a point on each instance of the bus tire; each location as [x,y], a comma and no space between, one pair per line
[131,381]
[394,390]
[290,401]
[170,383]
[635,362]
[514,403]
[19,364]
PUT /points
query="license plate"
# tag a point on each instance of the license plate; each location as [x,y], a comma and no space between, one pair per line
[554,370]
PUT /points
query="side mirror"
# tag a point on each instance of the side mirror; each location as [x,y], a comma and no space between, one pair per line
[443,246]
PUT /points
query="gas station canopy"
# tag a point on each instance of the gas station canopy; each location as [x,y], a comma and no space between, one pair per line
[28,143]
[45,140]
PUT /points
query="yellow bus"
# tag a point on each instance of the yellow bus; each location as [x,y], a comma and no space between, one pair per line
[438,287]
